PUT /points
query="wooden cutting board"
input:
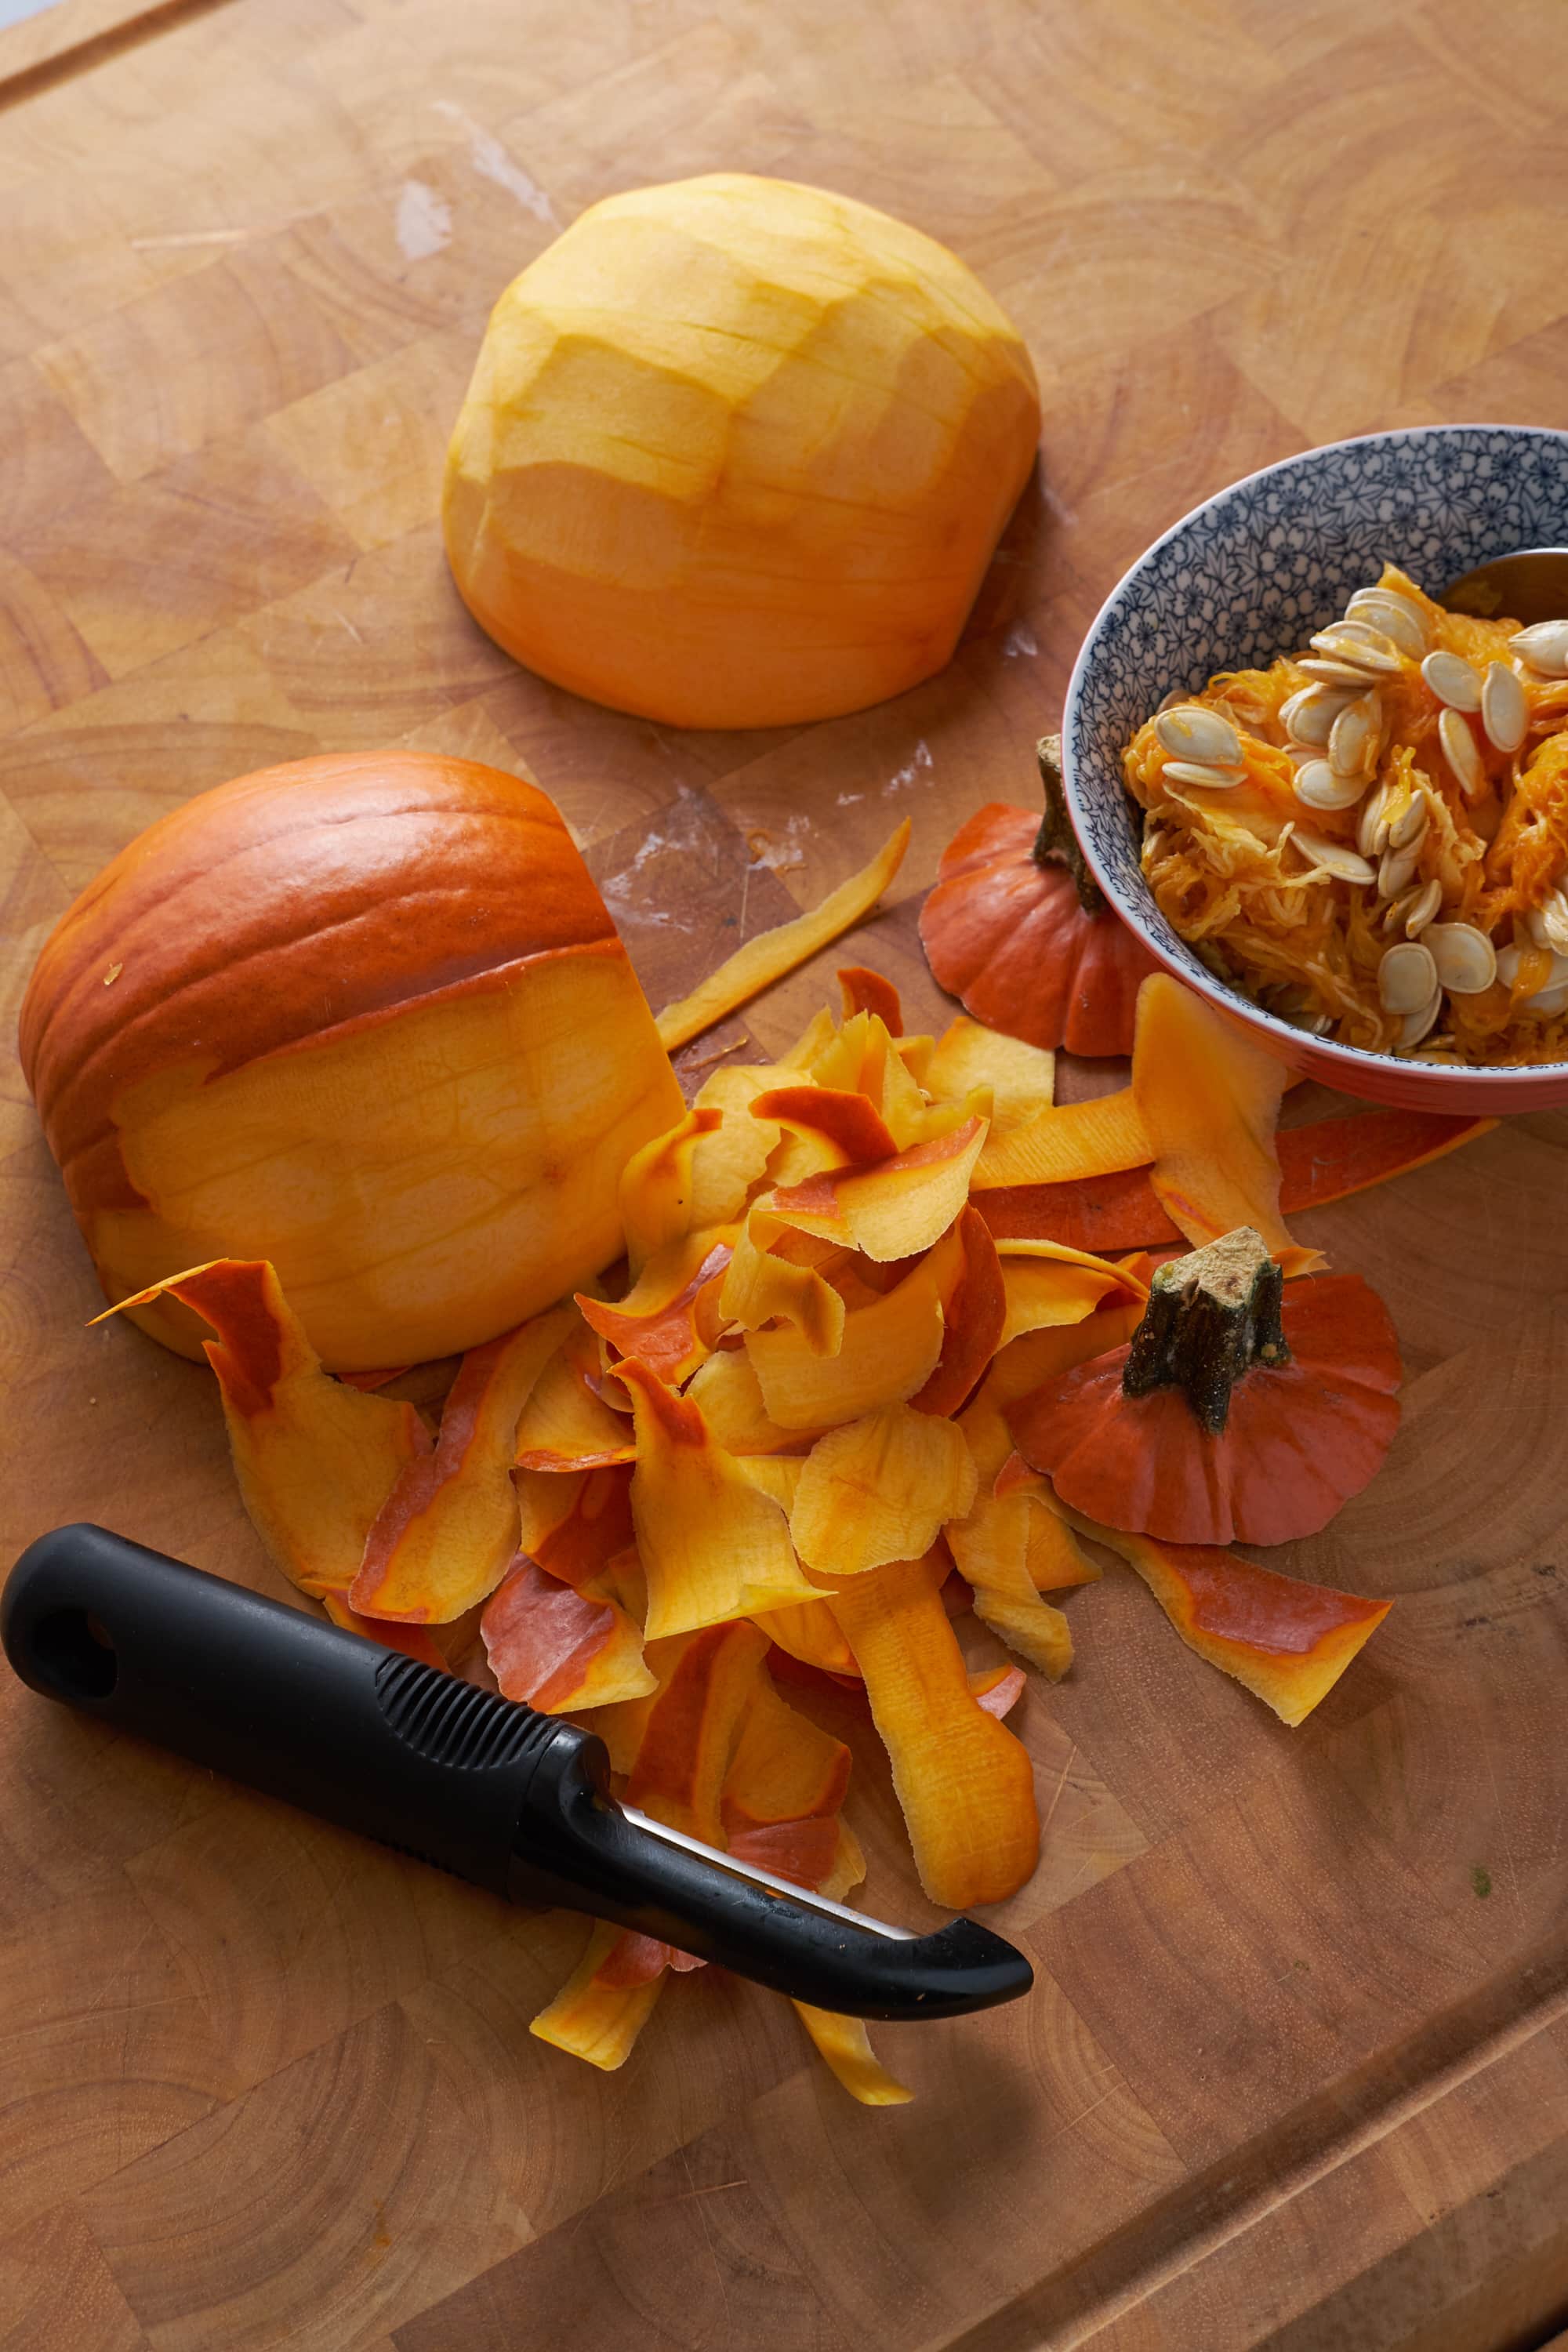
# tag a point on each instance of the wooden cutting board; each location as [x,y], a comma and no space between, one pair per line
[1296,2070]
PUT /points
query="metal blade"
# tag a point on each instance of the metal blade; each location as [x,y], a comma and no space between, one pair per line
[784,1886]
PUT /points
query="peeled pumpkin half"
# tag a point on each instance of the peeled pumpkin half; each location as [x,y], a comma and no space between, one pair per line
[365,1017]
[736,454]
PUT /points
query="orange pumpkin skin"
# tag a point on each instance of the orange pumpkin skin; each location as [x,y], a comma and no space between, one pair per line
[1301,1438]
[367,1017]
[1009,938]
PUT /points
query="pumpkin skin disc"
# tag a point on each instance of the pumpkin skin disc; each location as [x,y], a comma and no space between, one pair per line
[736,453]
[1009,938]
[367,1017]
[1300,1439]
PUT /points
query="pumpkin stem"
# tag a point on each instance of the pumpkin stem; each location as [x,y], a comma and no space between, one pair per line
[1211,1317]
[1056,837]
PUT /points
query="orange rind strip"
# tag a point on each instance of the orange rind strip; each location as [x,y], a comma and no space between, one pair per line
[1076,1140]
[891,1211]
[564,1425]
[1286,1641]
[596,2018]
[657,1187]
[1209,1101]
[774,954]
[669,1316]
[1328,1160]
[964,1782]
[863,991]
[316,1460]
[845,2045]
[556,1647]
[975,1315]
[447,1532]
[879,1489]
[888,1351]
[765,1284]
[713,1547]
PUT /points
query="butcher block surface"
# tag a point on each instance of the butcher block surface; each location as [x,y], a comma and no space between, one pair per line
[1295,2071]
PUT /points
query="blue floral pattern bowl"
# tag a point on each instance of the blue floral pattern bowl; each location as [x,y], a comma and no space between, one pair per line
[1251,574]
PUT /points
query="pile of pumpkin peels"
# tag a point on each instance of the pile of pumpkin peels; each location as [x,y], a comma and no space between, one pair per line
[812,1421]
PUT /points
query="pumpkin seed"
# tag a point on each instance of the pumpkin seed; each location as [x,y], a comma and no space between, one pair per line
[1318,786]
[1352,745]
[1332,857]
[1544,648]
[1309,713]
[1371,833]
[1396,870]
[1373,653]
[1360,631]
[1459,751]
[1407,978]
[1548,923]
[1452,680]
[1336,673]
[1191,733]
[1548,1000]
[1409,826]
[1211,778]
[1465,957]
[1415,1026]
[1424,905]
[1505,713]
[1395,615]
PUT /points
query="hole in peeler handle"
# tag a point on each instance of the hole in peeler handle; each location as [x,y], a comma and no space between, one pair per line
[73,1652]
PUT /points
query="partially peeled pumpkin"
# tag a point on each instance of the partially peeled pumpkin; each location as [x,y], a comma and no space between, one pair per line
[736,453]
[366,1018]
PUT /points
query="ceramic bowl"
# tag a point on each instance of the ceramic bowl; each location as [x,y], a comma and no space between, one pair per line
[1251,574]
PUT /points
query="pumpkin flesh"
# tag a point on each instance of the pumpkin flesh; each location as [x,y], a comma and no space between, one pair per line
[736,453]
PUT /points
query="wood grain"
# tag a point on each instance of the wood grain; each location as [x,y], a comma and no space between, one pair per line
[1296,2070]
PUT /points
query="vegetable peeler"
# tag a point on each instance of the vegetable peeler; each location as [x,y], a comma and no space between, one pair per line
[478,1785]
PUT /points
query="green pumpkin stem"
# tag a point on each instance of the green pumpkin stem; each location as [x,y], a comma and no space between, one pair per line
[1055,838]
[1211,1317]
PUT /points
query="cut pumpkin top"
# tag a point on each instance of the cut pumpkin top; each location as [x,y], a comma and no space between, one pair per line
[1243,1407]
[1019,933]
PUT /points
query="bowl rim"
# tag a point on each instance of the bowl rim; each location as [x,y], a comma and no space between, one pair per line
[1450,1075]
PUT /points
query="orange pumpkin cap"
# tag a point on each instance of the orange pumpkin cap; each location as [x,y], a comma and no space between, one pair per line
[1007,936]
[1300,1439]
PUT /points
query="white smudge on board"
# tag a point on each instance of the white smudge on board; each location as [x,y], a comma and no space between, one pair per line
[491,159]
[424,221]
[906,776]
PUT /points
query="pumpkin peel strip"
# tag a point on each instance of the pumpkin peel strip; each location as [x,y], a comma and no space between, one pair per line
[713,1547]
[1286,1641]
[315,1459]
[1209,1100]
[964,1782]
[774,954]
[593,2018]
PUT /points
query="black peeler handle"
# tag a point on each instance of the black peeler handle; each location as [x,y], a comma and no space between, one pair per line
[478,1785]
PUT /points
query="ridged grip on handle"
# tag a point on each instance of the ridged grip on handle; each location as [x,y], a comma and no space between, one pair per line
[360,1735]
